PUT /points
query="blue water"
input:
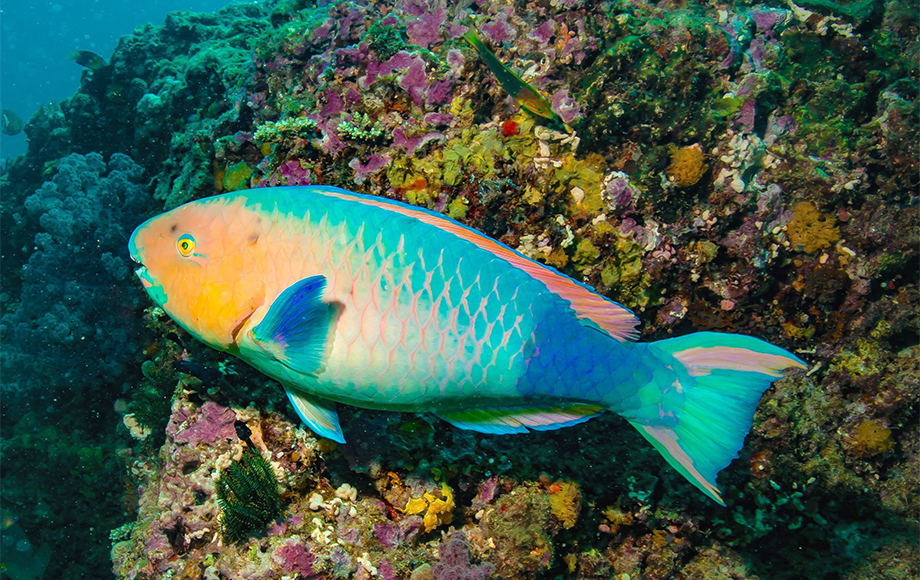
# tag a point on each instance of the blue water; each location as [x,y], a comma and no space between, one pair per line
[36,39]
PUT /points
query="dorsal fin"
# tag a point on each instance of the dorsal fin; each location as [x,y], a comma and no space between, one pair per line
[614,319]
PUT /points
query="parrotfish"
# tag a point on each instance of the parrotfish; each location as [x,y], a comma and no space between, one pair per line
[524,94]
[356,299]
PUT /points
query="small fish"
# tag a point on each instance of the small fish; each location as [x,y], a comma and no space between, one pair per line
[18,558]
[11,122]
[90,60]
[362,300]
[7,519]
[525,95]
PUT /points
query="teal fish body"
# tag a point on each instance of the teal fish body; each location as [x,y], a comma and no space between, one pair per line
[369,302]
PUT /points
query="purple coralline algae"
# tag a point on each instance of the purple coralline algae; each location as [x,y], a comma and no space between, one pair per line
[209,425]
[455,561]
[374,164]
[425,30]
[294,557]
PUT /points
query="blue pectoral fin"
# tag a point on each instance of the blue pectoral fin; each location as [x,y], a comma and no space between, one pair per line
[296,329]
[319,415]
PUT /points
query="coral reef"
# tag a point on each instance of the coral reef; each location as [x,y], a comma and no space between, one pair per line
[734,168]
[71,325]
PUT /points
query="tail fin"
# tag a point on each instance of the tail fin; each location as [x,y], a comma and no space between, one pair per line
[730,372]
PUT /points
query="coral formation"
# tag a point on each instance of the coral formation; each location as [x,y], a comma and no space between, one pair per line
[688,165]
[360,128]
[810,230]
[71,324]
[285,129]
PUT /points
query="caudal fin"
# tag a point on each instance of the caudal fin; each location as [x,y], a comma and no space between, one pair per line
[728,375]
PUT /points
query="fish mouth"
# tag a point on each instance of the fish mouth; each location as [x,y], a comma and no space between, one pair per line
[152,286]
[132,251]
[142,269]
[144,276]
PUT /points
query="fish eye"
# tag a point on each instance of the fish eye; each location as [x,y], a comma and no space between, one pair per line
[185,244]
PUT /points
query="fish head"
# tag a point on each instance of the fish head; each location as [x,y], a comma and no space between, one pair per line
[200,264]
[533,102]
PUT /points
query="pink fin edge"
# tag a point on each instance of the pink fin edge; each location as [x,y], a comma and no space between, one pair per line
[701,360]
[668,441]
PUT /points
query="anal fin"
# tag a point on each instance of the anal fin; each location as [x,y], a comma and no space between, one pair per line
[505,420]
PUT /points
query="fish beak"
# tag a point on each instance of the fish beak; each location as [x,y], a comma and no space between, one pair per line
[135,255]
[137,261]
[132,249]
[143,275]
[153,287]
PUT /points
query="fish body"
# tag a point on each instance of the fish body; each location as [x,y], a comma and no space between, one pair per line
[10,122]
[524,94]
[19,560]
[88,59]
[365,301]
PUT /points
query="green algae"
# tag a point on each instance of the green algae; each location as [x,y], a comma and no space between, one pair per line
[586,253]
[384,40]
[360,128]
[285,129]
[623,271]
[868,358]
[237,176]
[457,208]
[486,150]
[581,179]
